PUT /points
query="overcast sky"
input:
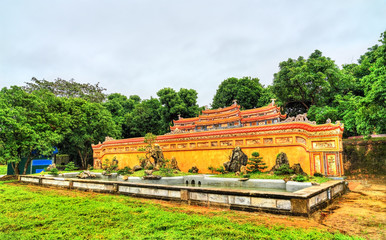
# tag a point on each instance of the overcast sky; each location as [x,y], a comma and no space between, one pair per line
[139,47]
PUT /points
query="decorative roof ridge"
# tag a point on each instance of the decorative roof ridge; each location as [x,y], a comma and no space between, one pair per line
[186,120]
[221,109]
[279,126]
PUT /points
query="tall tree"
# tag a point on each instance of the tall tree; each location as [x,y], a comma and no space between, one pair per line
[28,126]
[247,91]
[146,118]
[119,106]
[88,123]
[64,88]
[174,103]
[302,83]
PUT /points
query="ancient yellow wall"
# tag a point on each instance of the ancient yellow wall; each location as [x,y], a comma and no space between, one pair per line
[214,151]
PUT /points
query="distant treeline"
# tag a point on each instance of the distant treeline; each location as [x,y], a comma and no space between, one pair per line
[72,116]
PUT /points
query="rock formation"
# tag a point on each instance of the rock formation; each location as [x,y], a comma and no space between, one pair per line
[158,156]
[281,159]
[174,164]
[237,159]
[86,174]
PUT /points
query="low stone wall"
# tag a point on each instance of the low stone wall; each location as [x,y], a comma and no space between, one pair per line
[302,202]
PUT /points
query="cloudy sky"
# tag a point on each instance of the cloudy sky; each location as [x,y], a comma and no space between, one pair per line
[139,47]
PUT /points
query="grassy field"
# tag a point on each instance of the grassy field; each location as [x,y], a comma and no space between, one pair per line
[3,169]
[44,213]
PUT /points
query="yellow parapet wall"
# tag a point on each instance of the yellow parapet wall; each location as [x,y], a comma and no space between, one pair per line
[318,148]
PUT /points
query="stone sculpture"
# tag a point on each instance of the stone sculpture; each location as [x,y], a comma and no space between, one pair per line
[174,164]
[237,159]
[86,174]
[158,156]
[281,159]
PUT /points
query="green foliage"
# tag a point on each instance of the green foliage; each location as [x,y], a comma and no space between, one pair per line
[146,117]
[125,171]
[54,171]
[318,174]
[68,89]
[246,176]
[183,103]
[247,91]
[255,163]
[300,178]
[166,169]
[3,169]
[70,167]
[211,168]
[301,83]
[28,124]
[221,170]
[284,170]
[120,107]
[121,217]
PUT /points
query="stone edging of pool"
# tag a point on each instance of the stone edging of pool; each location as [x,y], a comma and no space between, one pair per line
[302,202]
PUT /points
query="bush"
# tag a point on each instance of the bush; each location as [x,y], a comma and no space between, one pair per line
[54,171]
[255,163]
[125,171]
[300,178]
[318,174]
[246,176]
[284,170]
[221,170]
[70,167]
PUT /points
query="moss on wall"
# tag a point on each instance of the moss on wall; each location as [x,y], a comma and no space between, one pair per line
[364,156]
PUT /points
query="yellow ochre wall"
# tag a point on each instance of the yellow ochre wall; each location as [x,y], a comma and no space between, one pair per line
[299,147]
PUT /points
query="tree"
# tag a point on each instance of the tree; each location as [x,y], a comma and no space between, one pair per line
[247,91]
[28,125]
[255,163]
[119,106]
[70,89]
[302,83]
[189,99]
[183,103]
[146,117]
[88,123]
[361,105]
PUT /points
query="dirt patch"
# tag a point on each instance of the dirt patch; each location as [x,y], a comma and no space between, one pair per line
[8,177]
[361,212]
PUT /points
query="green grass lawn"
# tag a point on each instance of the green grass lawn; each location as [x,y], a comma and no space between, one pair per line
[50,214]
[3,169]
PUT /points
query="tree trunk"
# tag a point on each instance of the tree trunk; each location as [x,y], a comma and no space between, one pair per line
[83,159]
[15,167]
[27,163]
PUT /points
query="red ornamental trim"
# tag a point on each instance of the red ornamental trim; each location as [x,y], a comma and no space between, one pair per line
[283,126]
[220,110]
[183,127]
[261,117]
[186,120]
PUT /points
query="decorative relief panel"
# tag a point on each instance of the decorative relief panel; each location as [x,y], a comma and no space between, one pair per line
[284,140]
[321,145]
[317,163]
[203,144]
[268,141]
[226,143]
[192,145]
[127,149]
[214,144]
[253,141]
[239,142]
[183,145]
[331,164]
[301,140]
[165,146]
[172,146]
